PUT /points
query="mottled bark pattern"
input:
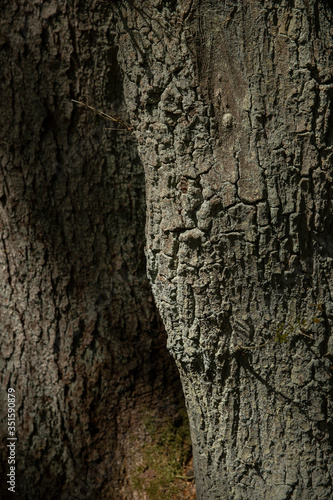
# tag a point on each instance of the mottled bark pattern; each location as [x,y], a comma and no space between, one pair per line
[231,102]
[81,342]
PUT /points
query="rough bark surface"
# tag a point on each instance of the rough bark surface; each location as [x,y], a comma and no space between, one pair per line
[231,102]
[81,342]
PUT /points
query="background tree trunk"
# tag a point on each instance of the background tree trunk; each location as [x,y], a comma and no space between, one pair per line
[231,103]
[81,342]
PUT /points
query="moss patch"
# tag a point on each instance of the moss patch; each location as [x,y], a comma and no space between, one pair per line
[165,455]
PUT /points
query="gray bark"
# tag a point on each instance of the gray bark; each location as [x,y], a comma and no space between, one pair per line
[81,342]
[231,103]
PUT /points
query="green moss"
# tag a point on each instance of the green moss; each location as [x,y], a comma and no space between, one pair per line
[298,326]
[164,455]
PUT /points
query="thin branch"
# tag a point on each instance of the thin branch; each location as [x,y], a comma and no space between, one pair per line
[301,332]
[105,116]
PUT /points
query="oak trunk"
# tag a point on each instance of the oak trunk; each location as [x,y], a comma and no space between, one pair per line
[231,103]
[81,342]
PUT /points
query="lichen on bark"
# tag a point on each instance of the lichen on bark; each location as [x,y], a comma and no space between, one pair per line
[231,104]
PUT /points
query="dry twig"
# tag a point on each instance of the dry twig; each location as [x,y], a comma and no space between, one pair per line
[106,116]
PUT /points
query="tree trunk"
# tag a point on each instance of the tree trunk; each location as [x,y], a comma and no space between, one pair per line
[231,103]
[82,345]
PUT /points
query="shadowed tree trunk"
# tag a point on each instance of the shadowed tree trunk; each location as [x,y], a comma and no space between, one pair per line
[231,102]
[81,342]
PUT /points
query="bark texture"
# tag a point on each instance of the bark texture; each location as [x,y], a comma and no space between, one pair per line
[81,341]
[231,102]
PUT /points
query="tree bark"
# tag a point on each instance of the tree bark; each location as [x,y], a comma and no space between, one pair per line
[231,103]
[82,344]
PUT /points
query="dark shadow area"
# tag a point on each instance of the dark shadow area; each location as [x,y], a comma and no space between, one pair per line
[75,199]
